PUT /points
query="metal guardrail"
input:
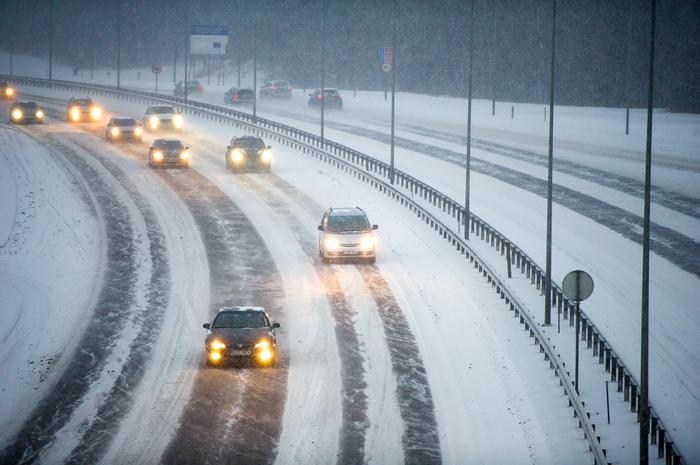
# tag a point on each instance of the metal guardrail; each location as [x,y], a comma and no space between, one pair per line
[368,168]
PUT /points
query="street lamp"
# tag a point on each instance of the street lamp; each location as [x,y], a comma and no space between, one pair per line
[550,162]
[469,123]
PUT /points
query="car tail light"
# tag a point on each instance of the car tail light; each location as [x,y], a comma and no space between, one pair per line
[201,88]
[235,97]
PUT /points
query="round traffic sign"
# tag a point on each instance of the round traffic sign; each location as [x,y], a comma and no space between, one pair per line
[386,67]
[156,68]
[577,285]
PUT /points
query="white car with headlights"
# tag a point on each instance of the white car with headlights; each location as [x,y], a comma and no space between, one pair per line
[126,129]
[82,109]
[346,233]
[248,153]
[158,117]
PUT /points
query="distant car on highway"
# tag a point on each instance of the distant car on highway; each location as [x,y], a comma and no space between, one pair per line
[236,96]
[162,117]
[276,89]
[243,335]
[26,112]
[248,153]
[193,87]
[346,233]
[126,129]
[82,109]
[168,153]
[7,90]
[331,96]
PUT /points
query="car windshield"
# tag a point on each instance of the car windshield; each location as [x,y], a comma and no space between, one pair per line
[162,110]
[245,93]
[330,91]
[347,223]
[83,102]
[28,105]
[124,122]
[250,143]
[170,145]
[281,83]
[240,319]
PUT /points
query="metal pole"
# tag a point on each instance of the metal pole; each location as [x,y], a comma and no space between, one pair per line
[187,44]
[174,66]
[255,63]
[628,73]
[239,73]
[119,42]
[493,60]
[323,71]
[50,39]
[467,186]
[607,399]
[393,89]
[644,378]
[578,327]
[156,83]
[548,271]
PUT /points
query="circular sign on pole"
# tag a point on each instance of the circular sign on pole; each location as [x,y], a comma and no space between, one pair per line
[156,68]
[577,285]
[386,67]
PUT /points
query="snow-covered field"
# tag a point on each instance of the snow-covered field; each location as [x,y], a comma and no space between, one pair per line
[484,385]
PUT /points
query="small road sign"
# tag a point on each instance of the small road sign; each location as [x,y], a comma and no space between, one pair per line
[156,68]
[386,67]
[577,285]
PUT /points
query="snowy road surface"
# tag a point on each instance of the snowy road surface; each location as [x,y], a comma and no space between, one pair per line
[413,360]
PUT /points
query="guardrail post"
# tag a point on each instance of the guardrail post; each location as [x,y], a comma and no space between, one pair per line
[662,443]
[613,369]
[633,398]
[654,422]
[601,351]
[596,338]
[620,377]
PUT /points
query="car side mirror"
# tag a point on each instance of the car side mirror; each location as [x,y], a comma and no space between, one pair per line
[320,227]
[275,325]
[206,326]
[375,227]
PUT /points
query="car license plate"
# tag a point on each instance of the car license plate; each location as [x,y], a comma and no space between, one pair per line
[241,352]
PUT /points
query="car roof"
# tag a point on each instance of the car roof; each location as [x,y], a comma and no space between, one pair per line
[241,309]
[165,141]
[161,106]
[346,211]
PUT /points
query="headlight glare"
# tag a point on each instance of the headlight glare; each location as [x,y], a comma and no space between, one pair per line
[115,132]
[367,243]
[331,244]
[266,155]
[138,131]
[217,345]
[95,112]
[265,355]
[16,114]
[40,114]
[214,356]
[185,155]
[154,121]
[9,92]
[262,344]
[75,113]
[158,155]
[177,121]
[237,155]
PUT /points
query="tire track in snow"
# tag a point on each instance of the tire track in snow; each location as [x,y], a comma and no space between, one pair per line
[234,415]
[112,410]
[111,312]
[421,443]
[351,448]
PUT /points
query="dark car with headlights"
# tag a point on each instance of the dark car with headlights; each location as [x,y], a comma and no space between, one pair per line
[123,129]
[248,153]
[168,153]
[7,90]
[82,109]
[243,335]
[26,112]
[162,117]
[235,96]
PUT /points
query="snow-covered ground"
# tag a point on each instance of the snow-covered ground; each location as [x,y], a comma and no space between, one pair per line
[415,264]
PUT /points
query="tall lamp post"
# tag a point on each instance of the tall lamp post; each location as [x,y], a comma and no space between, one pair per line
[50,39]
[644,362]
[469,123]
[323,71]
[550,162]
[119,42]
[393,88]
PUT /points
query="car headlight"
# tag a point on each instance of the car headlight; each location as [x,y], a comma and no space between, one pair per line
[237,155]
[214,356]
[16,114]
[158,155]
[154,121]
[265,355]
[9,92]
[217,345]
[266,155]
[367,243]
[115,132]
[185,155]
[178,121]
[331,244]
[75,113]
[262,344]
[138,131]
[95,112]
[40,114]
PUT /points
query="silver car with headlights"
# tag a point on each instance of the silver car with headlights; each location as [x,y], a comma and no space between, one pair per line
[346,233]
[159,117]
[123,129]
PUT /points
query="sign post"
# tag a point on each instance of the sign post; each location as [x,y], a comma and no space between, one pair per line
[577,286]
[386,61]
[156,68]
